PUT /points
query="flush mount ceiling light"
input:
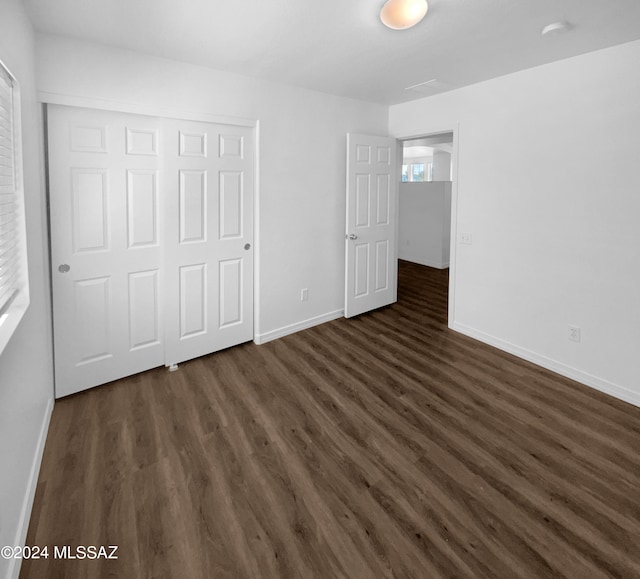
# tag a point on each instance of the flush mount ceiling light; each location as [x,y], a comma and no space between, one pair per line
[402,14]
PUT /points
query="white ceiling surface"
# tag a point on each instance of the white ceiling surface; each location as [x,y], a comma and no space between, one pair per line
[412,152]
[417,152]
[427,146]
[341,47]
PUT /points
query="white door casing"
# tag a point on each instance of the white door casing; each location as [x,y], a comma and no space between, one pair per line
[371,238]
[122,187]
[208,176]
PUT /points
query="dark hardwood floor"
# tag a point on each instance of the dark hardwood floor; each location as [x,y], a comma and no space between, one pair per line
[382,446]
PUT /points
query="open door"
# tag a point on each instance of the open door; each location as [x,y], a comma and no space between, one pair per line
[371,279]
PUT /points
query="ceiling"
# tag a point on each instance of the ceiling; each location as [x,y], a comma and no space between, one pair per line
[417,152]
[427,146]
[339,46]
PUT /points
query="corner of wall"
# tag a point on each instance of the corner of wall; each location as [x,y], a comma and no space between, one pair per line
[565,370]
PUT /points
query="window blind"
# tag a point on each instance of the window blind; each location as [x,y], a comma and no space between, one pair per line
[10,246]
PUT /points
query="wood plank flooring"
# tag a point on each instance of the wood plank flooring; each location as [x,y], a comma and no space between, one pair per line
[382,446]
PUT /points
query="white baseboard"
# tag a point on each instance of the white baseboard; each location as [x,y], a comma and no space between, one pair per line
[585,378]
[435,264]
[443,265]
[27,505]
[293,328]
[428,263]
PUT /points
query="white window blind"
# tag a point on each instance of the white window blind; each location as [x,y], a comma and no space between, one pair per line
[12,255]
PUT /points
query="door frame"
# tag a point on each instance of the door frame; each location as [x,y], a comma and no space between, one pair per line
[49,98]
[430,132]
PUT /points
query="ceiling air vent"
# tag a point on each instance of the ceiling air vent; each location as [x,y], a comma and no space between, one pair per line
[430,87]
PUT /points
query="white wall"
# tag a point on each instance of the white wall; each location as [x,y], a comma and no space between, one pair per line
[302,159]
[556,241]
[441,166]
[424,223]
[26,375]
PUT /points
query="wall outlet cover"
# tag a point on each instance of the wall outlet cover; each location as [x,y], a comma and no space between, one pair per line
[574,333]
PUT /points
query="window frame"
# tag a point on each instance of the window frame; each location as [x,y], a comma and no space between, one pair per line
[16,307]
[420,172]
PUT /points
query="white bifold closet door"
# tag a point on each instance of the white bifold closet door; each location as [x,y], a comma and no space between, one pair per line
[209,238]
[151,242]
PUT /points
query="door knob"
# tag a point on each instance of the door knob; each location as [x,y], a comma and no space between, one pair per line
[247,246]
[352,236]
[64,268]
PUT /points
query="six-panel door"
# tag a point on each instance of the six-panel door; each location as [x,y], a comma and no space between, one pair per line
[370,245]
[209,241]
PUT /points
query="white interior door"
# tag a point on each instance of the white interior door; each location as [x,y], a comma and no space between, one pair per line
[371,258]
[105,246]
[151,240]
[209,244]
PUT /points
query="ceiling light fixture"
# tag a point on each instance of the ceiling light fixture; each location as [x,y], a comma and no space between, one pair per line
[403,14]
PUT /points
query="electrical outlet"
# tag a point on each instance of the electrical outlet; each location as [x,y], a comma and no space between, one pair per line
[304,295]
[465,238]
[574,333]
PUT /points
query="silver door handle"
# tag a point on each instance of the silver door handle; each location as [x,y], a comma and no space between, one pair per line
[64,268]
[352,236]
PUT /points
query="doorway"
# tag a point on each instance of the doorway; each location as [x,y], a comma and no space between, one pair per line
[426,208]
